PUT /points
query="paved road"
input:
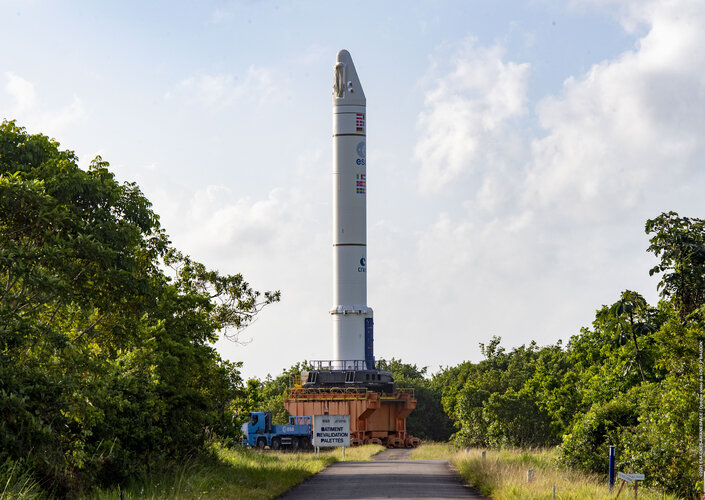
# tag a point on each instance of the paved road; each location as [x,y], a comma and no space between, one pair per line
[390,475]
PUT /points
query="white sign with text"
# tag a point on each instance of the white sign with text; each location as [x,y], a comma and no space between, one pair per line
[331,430]
[630,478]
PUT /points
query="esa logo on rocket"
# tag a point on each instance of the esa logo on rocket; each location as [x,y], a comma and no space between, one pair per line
[361,153]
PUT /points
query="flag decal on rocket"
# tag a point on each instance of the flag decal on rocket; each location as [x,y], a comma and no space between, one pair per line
[360,123]
[360,183]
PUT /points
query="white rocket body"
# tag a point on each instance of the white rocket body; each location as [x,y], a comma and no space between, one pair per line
[349,219]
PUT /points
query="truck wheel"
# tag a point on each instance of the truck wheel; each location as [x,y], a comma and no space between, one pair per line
[276,443]
[294,444]
[261,443]
[305,443]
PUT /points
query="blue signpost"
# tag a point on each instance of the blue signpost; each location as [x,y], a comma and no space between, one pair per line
[611,468]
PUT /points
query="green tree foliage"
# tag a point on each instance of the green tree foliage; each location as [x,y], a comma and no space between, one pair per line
[106,358]
[554,385]
[620,351]
[492,402]
[630,380]
[428,421]
[663,444]
[680,244]
[641,395]
[629,317]
[653,423]
[595,431]
[269,394]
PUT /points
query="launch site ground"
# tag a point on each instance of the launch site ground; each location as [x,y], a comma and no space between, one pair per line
[391,474]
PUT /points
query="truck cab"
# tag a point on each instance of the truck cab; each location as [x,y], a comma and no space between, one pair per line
[260,422]
[259,432]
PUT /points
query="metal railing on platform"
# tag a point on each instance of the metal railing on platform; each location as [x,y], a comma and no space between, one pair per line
[327,393]
[343,393]
[398,392]
[339,364]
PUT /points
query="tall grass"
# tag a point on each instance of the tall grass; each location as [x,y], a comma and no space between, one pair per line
[502,475]
[234,473]
[17,483]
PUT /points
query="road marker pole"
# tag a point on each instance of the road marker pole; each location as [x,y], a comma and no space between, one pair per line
[611,469]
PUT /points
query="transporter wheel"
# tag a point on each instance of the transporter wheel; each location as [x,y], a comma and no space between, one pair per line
[276,443]
[305,443]
[294,444]
[261,443]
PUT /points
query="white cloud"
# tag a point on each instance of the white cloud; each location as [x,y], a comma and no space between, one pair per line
[628,127]
[28,110]
[222,90]
[61,119]
[551,226]
[21,91]
[220,15]
[468,114]
[280,241]
[220,221]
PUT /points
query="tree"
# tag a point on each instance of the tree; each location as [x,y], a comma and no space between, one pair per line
[269,394]
[630,316]
[514,418]
[554,384]
[498,403]
[680,244]
[428,421]
[106,358]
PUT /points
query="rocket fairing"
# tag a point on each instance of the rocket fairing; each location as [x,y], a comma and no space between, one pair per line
[352,318]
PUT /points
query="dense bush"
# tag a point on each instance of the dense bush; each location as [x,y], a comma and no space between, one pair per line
[428,421]
[595,431]
[106,360]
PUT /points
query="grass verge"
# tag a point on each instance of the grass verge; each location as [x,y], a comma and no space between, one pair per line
[233,473]
[17,483]
[502,475]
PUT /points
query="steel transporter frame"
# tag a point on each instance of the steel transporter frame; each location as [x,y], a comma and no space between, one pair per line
[376,417]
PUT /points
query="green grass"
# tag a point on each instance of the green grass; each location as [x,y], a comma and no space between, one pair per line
[430,450]
[502,475]
[236,473]
[15,483]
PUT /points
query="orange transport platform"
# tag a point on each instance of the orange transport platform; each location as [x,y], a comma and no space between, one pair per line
[374,418]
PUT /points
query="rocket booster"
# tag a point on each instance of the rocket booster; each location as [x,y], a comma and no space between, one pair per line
[352,318]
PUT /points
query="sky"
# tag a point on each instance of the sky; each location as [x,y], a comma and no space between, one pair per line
[515,151]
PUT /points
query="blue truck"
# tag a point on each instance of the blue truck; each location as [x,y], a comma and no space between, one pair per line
[260,432]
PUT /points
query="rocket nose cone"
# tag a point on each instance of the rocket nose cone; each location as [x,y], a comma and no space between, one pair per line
[347,89]
[343,56]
